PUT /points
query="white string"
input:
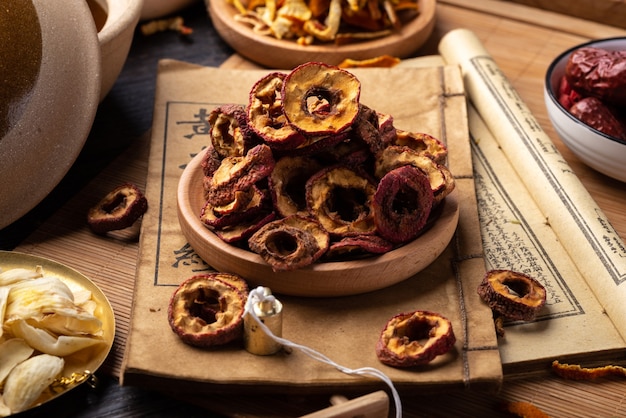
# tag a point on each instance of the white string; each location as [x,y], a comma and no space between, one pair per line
[258,295]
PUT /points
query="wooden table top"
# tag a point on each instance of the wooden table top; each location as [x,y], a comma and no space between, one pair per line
[522,41]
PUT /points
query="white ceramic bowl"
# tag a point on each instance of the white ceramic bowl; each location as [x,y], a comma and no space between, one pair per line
[116,37]
[598,150]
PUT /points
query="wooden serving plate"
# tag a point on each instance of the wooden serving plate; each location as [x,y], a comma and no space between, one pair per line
[321,279]
[286,54]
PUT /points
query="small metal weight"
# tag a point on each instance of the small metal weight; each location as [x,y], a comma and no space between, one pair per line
[270,312]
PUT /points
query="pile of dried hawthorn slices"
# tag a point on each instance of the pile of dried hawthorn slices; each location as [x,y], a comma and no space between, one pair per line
[305,172]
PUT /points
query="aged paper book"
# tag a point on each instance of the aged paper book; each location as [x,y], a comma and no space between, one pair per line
[537,218]
[345,329]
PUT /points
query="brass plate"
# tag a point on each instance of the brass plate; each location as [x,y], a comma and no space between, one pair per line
[86,360]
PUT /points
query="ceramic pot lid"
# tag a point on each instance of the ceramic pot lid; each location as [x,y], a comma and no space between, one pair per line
[50,102]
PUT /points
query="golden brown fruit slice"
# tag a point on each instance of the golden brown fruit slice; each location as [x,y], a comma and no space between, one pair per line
[516,296]
[290,243]
[287,183]
[265,113]
[230,134]
[207,309]
[319,99]
[414,338]
[341,200]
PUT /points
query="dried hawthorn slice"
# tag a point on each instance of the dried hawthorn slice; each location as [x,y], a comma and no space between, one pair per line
[229,132]
[244,199]
[423,143]
[287,183]
[414,338]
[320,99]
[265,113]
[362,245]
[247,205]
[243,230]
[207,310]
[341,200]
[386,127]
[365,127]
[239,173]
[516,296]
[402,204]
[119,209]
[317,144]
[290,243]
[210,161]
[441,180]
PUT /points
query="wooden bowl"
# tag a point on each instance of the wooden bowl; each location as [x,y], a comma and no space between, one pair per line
[286,54]
[321,279]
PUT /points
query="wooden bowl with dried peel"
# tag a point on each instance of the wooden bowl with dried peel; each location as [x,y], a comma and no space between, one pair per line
[271,52]
[322,279]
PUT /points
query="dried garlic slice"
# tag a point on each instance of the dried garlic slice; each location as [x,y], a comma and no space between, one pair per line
[29,379]
[16,275]
[12,352]
[45,342]
[49,302]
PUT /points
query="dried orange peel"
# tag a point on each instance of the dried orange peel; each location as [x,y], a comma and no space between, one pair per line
[577,372]
[381,61]
[524,410]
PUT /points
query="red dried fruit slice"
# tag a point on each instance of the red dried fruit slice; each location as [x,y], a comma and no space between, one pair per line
[229,132]
[341,200]
[317,144]
[514,295]
[319,99]
[265,113]
[247,205]
[441,180]
[241,231]
[211,161]
[287,184]
[365,127]
[239,173]
[414,338]
[290,243]
[355,247]
[119,209]
[207,310]
[402,204]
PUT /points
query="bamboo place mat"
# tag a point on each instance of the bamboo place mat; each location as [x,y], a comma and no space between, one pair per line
[109,261]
